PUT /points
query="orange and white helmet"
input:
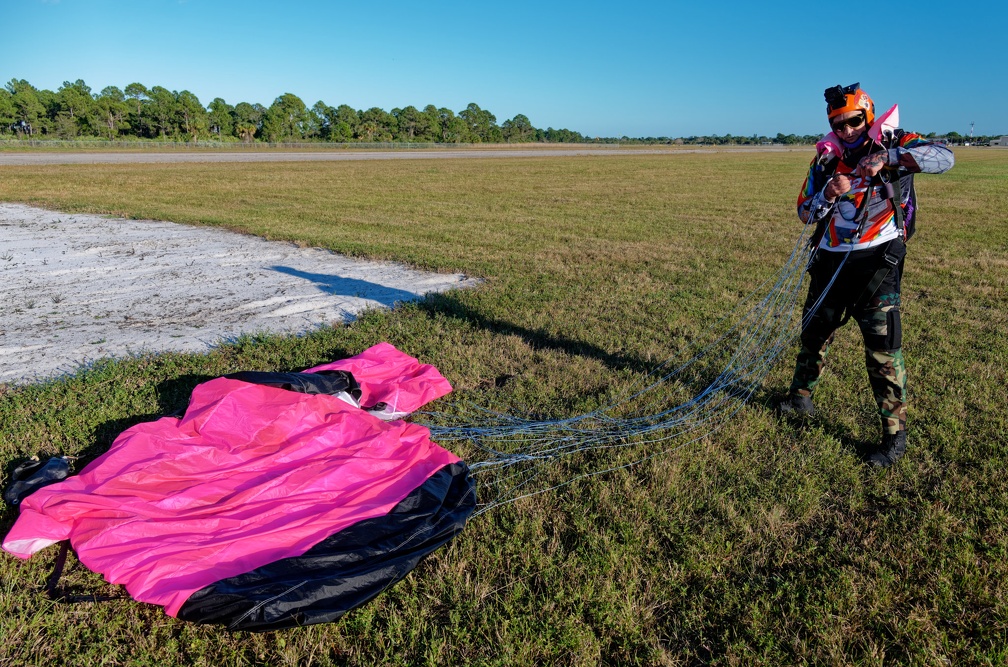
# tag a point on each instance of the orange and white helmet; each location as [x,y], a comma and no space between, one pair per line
[844,99]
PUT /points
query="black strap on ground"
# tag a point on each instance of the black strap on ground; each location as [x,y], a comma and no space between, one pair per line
[57,571]
[51,584]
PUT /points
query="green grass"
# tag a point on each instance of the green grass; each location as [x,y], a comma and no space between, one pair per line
[764,543]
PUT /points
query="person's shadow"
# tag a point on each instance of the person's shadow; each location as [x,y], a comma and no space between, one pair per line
[351,287]
[447,304]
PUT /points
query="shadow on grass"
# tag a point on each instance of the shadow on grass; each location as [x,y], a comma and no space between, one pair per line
[858,447]
[350,287]
[173,397]
[449,305]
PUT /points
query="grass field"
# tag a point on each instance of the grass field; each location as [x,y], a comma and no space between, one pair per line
[765,543]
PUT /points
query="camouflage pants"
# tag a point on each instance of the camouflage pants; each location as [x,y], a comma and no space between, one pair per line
[877,315]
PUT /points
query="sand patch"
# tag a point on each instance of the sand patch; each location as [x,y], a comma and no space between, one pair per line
[76,288]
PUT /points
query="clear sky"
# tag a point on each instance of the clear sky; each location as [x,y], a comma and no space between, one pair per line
[622,68]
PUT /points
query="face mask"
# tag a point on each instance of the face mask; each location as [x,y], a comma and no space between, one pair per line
[856,143]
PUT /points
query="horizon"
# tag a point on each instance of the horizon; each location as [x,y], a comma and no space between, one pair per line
[640,70]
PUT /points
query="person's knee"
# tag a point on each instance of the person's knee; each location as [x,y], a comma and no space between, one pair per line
[887,371]
[818,333]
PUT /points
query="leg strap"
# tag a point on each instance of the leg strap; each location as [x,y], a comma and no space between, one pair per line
[890,261]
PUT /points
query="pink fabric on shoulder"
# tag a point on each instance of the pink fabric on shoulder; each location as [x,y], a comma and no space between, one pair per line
[885,124]
[828,144]
[250,475]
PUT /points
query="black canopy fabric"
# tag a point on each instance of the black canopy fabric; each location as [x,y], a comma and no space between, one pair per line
[345,570]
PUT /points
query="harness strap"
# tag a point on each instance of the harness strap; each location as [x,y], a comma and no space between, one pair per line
[896,198]
[54,577]
[890,263]
[52,583]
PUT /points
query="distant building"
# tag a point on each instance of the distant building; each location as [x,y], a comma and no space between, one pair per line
[1000,141]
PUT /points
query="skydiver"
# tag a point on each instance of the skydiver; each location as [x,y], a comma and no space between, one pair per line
[867,247]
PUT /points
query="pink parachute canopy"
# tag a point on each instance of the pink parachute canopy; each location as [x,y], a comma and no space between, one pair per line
[250,475]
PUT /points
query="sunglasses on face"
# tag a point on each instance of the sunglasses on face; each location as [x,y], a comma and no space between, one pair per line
[850,123]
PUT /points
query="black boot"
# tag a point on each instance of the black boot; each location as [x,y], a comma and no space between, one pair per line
[890,451]
[797,405]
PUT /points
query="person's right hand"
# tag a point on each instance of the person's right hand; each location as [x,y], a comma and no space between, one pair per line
[838,185]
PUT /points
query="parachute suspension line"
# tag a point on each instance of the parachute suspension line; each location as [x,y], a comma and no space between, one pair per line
[512,452]
[812,311]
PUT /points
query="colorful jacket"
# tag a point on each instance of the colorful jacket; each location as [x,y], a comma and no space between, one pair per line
[908,153]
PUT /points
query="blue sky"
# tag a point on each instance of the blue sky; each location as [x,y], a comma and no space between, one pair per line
[604,69]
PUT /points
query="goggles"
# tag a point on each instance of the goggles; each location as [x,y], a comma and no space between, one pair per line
[850,123]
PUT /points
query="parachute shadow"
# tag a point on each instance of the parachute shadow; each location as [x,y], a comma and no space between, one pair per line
[173,397]
[351,287]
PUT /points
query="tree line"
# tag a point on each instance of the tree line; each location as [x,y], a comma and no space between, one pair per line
[138,112]
[156,113]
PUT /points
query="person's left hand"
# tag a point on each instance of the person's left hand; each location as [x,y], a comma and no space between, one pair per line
[870,165]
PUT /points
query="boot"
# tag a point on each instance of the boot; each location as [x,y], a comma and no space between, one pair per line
[797,405]
[890,451]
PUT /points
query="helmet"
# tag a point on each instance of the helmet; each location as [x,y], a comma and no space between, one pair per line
[844,99]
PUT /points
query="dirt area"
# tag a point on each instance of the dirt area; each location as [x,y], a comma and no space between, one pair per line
[76,288]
